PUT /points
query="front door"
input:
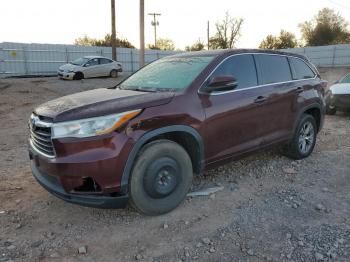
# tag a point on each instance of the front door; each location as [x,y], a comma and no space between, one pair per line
[235,119]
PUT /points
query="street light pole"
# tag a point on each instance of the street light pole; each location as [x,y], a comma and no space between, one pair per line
[155,23]
[113,36]
[142,34]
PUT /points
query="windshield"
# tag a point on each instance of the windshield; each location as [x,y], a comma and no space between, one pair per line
[170,73]
[345,80]
[80,61]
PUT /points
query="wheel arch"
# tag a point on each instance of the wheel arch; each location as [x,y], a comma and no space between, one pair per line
[79,73]
[316,110]
[186,136]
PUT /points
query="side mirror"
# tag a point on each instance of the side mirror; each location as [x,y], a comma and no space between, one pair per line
[222,83]
[87,65]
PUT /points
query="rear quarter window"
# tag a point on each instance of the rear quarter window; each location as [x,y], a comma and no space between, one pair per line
[273,68]
[300,69]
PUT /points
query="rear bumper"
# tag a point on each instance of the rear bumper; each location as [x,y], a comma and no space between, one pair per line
[51,184]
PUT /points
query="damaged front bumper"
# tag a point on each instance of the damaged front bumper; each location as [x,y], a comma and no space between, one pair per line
[51,184]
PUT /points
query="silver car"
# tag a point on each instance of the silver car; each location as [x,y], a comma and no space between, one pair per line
[90,66]
[338,96]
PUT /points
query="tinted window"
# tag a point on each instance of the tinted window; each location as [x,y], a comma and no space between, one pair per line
[242,67]
[274,68]
[300,69]
[346,79]
[105,61]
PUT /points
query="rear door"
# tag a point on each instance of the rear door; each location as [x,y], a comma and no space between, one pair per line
[106,66]
[279,98]
[234,119]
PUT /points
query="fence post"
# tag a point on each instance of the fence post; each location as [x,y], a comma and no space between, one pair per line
[67,55]
[25,60]
[132,61]
[334,52]
[101,52]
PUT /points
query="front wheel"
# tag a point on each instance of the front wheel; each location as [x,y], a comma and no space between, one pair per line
[304,139]
[78,76]
[161,177]
[330,110]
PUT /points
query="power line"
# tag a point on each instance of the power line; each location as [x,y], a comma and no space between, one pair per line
[338,4]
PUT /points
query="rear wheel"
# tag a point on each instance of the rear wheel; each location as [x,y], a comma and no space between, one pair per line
[114,73]
[78,76]
[161,177]
[304,138]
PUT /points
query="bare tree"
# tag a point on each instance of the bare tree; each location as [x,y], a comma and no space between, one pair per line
[228,32]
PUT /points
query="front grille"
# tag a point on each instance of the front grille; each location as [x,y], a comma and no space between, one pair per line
[40,136]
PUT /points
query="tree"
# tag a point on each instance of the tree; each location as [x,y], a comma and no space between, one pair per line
[163,44]
[326,28]
[270,42]
[107,41]
[198,46]
[227,33]
[284,40]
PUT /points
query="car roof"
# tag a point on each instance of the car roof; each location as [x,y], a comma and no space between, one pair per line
[95,56]
[226,52]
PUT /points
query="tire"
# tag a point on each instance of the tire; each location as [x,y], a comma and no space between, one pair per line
[113,73]
[302,143]
[161,177]
[331,110]
[78,76]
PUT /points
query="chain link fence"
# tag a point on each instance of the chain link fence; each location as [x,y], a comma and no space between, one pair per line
[19,59]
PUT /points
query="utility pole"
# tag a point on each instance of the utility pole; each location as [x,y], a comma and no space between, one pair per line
[114,51]
[155,23]
[142,33]
[208,36]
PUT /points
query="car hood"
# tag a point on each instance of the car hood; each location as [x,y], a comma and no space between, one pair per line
[69,67]
[99,102]
[340,89]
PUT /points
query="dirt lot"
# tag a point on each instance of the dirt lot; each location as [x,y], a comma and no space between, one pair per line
[271,208]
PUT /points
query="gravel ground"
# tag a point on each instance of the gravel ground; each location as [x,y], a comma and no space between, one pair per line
[271,208]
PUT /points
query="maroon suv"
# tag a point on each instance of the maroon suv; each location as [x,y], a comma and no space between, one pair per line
[143,140]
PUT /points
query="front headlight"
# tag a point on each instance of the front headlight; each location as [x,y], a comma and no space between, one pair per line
[92,126]
[70,71]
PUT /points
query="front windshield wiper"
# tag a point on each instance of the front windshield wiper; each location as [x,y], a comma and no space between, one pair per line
[136,88]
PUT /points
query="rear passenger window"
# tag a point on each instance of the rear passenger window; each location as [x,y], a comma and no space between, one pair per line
[274,68]
[300,69]
[242,67]
[105,61]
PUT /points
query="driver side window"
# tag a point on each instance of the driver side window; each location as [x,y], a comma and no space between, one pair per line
[241,67]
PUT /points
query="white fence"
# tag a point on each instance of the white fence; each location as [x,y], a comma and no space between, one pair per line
[325,56]
[18,59]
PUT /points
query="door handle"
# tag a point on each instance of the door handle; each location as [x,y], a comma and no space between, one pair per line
[260,99]
[299,89]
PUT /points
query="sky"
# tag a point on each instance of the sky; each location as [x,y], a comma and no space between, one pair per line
[183,21]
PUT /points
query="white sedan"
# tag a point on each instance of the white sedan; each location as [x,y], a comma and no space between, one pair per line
[89,66]
[338,96]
